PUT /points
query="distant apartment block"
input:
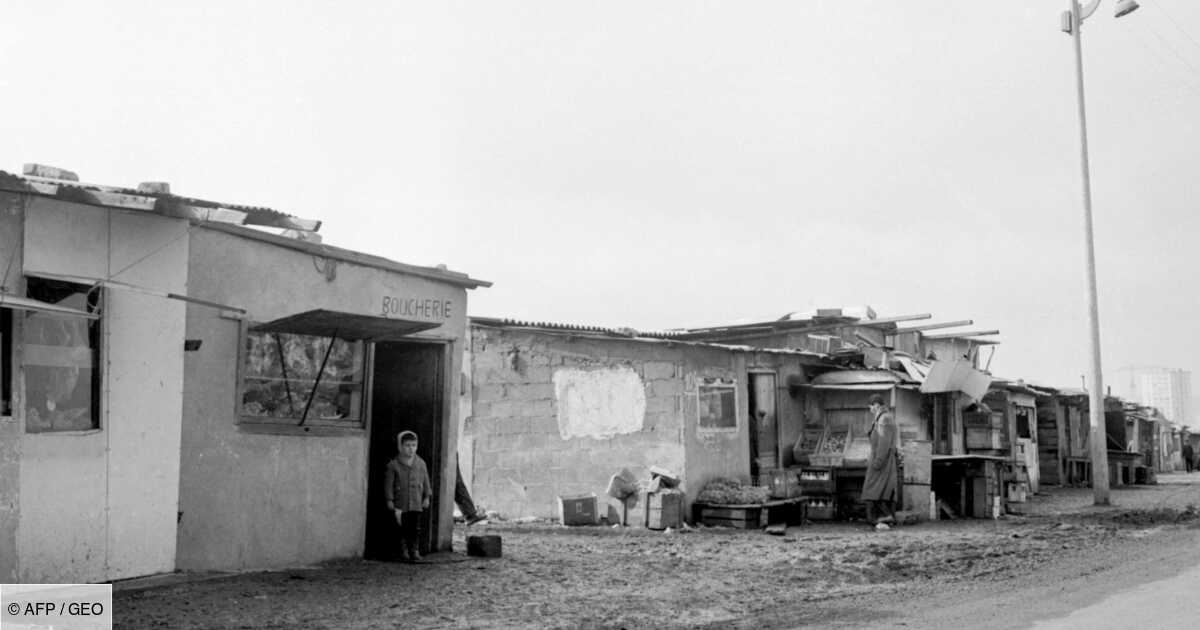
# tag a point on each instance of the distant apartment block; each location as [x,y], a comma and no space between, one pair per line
[1167,389]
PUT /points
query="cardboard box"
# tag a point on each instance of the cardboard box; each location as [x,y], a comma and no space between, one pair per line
[578,509]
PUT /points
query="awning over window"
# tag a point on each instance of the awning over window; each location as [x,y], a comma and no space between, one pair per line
[8,300]
[349,326]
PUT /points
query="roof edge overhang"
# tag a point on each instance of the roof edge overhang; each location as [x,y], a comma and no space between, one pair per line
[349,255]
[862,387]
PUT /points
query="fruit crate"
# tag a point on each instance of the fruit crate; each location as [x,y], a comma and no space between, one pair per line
[832,449]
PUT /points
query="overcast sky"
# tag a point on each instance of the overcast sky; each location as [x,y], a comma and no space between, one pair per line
[666,164]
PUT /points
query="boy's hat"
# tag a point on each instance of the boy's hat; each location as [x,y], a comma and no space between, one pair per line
[404,435]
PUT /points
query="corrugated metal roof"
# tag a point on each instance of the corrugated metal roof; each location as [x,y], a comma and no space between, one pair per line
[503,322]
[147,200]
[222,217]
[630,334]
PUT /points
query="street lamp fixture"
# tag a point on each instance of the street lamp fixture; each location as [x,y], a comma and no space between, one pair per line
[1072,23]
[1125,7]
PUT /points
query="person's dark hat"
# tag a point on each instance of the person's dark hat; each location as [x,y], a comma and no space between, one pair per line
[406,435]
[876,399]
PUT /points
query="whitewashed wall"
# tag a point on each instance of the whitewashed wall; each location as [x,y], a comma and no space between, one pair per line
[101,505]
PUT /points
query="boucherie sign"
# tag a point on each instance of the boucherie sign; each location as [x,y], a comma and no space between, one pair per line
[418,307]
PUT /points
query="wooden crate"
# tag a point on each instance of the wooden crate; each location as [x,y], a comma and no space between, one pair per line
[817,480]
[740,516]
[783,482]
[664,509]
[820,508]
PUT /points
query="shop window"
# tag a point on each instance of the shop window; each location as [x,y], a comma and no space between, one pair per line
[280,374]
[60,354]
[718,403]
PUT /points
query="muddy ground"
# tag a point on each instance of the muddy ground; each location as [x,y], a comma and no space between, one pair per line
[936,574]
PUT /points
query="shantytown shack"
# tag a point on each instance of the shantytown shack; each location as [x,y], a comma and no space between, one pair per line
[184,391]
[556,410]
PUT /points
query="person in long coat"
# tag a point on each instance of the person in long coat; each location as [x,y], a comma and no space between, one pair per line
[881,488]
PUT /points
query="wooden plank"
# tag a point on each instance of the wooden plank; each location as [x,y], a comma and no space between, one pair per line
[731,513]
[972,333]
[280,221]
[738,524]
[118,200]
[909,329]
[871,323]
[203,213]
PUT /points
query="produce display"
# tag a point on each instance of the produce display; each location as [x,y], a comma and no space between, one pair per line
[809,440]
[732,492]
[835,443]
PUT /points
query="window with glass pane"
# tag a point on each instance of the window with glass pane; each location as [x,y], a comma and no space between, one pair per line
[281,369]
[717,403]
[61,359]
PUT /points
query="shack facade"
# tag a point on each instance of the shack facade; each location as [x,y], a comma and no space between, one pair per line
[299,487]
[557,410]
[184,392]
[93,387]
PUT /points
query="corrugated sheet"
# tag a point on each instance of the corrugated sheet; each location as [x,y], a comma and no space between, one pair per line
[629,333]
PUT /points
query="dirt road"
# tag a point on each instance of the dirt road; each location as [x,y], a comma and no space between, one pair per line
[991,574]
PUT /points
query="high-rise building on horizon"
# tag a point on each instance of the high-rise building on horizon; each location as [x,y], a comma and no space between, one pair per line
[1167,389]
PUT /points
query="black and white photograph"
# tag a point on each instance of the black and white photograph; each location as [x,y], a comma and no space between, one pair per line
[569,314]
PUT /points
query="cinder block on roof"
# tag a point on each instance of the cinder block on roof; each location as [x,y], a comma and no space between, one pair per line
[51,172]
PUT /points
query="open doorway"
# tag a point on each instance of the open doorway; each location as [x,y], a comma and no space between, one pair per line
[406,395]
[764,432]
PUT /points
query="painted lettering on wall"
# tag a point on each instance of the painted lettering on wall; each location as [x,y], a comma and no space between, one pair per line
[425,308]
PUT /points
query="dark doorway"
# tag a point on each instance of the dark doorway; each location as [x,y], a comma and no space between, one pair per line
[406,394]
[764,436]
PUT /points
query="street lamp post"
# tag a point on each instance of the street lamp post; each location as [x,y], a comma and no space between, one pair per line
[1072,23]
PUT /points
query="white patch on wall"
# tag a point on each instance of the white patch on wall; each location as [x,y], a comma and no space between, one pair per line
[599,403]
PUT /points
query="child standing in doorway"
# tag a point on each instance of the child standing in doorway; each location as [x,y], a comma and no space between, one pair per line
[407,490]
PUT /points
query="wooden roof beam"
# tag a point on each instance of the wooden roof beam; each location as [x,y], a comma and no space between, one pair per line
[890,320]
[908,329]
[963,335]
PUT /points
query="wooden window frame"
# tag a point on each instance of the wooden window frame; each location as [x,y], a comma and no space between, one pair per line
[268,425]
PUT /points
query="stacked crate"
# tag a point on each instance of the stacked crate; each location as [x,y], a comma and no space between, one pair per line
[818,486]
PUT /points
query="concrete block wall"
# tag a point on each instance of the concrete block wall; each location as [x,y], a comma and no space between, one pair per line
[523,458]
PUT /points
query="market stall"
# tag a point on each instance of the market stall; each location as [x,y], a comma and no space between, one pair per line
[830,457]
